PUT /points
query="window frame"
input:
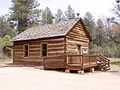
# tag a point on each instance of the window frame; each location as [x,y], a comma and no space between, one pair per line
[42,49]
[85,50]
[25,51]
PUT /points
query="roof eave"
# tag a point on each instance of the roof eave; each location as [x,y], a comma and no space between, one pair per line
[39,38]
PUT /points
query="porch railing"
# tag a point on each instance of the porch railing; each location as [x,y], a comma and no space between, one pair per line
[66,60]
[103,62]
[84,61]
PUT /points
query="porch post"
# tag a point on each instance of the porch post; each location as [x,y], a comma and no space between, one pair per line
[92,70]
[67,71]
[81,72]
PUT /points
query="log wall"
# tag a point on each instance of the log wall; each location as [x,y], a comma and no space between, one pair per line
[77,36]
[55,47]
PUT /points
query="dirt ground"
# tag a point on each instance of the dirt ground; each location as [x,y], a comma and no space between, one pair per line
[31,78]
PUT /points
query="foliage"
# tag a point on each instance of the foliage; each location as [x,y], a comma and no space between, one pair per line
[47,16]
[90,24]
[69,14]
[1,42]
[5,27]
[100,35]
[6,33]
[59,15]
[116,63]
[21,12]
[35,17]
[95,49]
[5,41]
[115,35]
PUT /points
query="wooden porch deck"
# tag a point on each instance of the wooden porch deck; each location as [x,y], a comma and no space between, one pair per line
[74,62]
[80,62]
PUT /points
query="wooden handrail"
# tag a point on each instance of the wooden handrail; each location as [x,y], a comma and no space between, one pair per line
[104,59]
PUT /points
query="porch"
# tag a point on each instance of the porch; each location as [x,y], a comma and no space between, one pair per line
[76,62]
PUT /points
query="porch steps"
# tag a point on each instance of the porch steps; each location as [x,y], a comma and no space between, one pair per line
[103,63]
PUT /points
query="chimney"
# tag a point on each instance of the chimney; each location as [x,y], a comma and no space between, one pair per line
[117,1]
[78,14]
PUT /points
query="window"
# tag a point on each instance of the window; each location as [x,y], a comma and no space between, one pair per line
[44,50]
[26,50]
[85,50]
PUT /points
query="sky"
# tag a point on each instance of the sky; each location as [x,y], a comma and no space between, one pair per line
[98,8]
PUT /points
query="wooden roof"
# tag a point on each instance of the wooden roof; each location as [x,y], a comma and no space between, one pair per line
[50,30]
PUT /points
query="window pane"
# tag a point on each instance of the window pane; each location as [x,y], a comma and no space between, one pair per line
[26,53]
[26,50]
[44,49]
[26,47]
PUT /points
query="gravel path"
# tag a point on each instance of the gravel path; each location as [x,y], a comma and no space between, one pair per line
[29,78]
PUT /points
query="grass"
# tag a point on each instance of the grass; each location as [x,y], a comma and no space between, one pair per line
[116,63]
[5,61]
[114,59]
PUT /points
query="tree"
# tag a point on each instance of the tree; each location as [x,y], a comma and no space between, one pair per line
[1,47]
[116,20]
[90,24]
[59,15]
[5,28]
[20,12]
[35,17]
[6,41]
[100,33]
[70,13]
[47,16]
[95,49]
[91,27]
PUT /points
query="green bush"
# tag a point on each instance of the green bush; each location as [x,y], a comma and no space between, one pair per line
[5,41]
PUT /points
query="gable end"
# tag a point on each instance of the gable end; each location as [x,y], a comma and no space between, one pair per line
[79,32]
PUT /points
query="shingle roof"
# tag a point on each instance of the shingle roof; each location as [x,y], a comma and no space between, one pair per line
[46,31]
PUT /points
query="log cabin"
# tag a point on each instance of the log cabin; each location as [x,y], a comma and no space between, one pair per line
[58,45]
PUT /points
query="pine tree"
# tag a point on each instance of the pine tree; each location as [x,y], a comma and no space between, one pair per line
[35,17]
[70,13]
[91,27]
[59,15]
[47,16]
[5,28]
[100,33]
[20,12]
[90,23]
